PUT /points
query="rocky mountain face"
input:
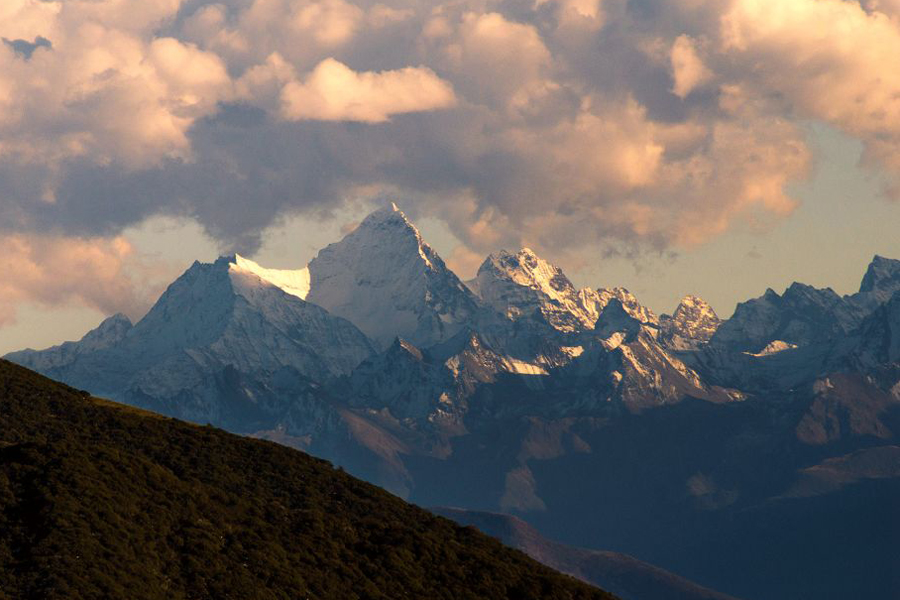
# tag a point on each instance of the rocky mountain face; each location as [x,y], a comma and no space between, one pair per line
[579,408]
[805,315]
[693,322]
[628,366]
[525,287]
[882,279]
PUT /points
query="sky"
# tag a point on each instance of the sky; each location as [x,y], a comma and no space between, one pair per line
[710,147]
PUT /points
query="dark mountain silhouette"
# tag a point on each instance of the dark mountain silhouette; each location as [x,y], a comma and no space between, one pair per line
[624,575]
[99,500]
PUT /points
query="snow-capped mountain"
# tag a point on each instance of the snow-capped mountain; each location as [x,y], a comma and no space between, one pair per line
[110,332]
[875,344]
[805,315]
[694,321]
[628,366]
[407,382]
[599,298]
[227,317]
[259,336]
[384,278]
[228,313]
[523,285]
[432,388]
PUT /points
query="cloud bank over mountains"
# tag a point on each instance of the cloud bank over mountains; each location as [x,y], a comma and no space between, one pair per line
[558,124]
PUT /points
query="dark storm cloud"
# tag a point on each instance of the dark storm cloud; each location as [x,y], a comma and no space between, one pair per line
[25,48]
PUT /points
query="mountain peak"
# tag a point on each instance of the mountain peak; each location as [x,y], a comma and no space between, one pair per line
[388,214]
[615,318]
[883,275]
[527,268]
[523,285]
[385,279]
[694,320]
[695,304]
[111,330]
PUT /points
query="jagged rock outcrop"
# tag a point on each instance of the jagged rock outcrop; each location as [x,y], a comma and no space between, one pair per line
[693,322]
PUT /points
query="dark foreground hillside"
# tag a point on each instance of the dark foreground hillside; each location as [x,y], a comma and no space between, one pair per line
[102,501]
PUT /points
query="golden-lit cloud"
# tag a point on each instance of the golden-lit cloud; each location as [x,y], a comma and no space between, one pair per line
[688,69]
[106,90]
[833,60]
[54,271]
[560,124]
[495,60]
[334,92]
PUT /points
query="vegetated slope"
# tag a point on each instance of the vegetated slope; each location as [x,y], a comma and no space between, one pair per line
[625,575]
[100,500]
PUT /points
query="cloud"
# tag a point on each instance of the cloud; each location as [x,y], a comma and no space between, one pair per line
[334,92]
[103,88]
[831,59]
[688,69]
[494,60]
[53,270]
[25,48]
[464,262]
[566,125]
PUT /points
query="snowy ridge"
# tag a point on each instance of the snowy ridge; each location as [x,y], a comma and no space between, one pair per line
[522,285]
[295,283]
[219,326]
[595,301]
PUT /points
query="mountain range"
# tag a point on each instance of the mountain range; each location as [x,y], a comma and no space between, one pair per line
[679,439]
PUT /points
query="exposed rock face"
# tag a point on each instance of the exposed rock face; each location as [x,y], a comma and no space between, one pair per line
[525,286]
[600,297]
[875,344]
[882,279]
[805,315]
[692,322]
[628,366]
